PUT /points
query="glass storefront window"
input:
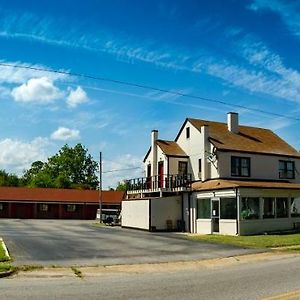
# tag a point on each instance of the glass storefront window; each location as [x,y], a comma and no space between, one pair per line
[250,208]
[295,207]
[203,209]
[228,208]
[281,207]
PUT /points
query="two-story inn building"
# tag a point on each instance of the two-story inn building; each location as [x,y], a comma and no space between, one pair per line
[216,178]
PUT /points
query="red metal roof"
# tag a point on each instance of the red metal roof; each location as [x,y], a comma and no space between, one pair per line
[58,195]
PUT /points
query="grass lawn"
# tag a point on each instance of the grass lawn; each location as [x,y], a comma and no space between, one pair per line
[3,256]
[255,241]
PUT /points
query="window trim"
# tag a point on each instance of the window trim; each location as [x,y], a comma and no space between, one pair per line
[285,169]
[240,158]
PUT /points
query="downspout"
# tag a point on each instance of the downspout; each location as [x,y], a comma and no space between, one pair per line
[237,194]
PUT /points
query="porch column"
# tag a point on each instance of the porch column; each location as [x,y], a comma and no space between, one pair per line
[289,207]
[261,208]
[238,215]
[193,214]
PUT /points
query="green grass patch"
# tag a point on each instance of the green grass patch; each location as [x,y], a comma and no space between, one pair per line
[5,267]
[255,241]
[3,256]
[28,268]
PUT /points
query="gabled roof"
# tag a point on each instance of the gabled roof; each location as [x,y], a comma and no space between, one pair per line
[58,195]
[169,148]
[219,184]
[249,139]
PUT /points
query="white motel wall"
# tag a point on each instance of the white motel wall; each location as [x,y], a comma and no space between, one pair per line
[153,213]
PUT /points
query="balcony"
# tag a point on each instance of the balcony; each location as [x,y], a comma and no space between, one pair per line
[158,183]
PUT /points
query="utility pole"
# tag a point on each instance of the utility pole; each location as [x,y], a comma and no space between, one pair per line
[100,187]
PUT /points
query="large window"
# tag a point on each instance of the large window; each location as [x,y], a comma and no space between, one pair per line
[182,167]
[295,207]
[269,208]
[250,208]
[281,207]
[203,209]
[286,169]
[240,166]
[228,208]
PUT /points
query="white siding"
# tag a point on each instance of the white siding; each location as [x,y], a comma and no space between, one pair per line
[163,209]
[135,214]
[261,166]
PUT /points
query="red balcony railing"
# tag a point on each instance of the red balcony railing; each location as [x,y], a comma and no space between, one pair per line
[159,182]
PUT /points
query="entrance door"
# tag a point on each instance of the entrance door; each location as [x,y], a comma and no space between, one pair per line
[161,174]
[215,215]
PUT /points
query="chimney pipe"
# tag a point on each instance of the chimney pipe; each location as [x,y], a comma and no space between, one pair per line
[233,122]
[154,137]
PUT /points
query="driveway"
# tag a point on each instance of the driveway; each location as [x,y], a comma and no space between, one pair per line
[77,242]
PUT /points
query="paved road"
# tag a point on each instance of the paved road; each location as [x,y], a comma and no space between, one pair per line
[69,242]
[240,281]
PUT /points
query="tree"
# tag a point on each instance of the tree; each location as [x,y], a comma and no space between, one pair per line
[122,186]
[69,168]
[7,179]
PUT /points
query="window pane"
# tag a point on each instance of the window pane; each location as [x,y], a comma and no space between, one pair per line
[269,208]
[250,208]
[282,207]
[203,209]
[295,207]
[286,169]
[228,208]
[182,168]
[234,166]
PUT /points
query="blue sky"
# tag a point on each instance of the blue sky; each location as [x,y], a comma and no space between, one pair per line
[241,52]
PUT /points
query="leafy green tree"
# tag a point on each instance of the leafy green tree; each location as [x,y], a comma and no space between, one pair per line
[29,174]
[7,179]
[69,168]
[122,186]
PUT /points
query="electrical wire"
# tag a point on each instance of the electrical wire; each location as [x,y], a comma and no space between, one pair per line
[142,86]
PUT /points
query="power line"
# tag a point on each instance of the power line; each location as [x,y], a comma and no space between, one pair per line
[119,170]
[142,86]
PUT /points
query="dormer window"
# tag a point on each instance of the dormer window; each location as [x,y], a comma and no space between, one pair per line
[240,166]
[187,132]
[286,169]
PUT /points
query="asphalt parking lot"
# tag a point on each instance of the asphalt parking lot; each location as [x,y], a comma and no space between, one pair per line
[77,242]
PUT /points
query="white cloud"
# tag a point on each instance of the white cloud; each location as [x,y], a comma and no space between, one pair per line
[38,90]
[65,134]
[77,97]
[17,155]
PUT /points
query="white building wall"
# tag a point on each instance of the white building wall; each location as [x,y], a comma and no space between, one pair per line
[166,209]
[135,214]
[195,149]
[161,157]
[263,167]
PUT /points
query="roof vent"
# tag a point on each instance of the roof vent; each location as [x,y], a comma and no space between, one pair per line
[233,122]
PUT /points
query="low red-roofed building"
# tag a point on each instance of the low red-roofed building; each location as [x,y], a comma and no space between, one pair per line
[46,203]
